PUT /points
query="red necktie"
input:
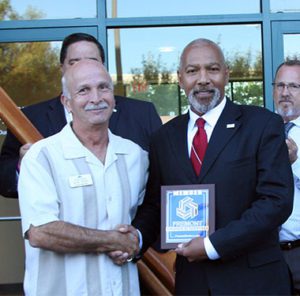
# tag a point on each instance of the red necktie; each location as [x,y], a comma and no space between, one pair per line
[199,146]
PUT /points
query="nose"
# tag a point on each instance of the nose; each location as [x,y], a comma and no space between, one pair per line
[95,96]
[203,77]
[285,90]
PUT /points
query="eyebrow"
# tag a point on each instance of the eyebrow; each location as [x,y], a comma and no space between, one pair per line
[206,65]
[79,59]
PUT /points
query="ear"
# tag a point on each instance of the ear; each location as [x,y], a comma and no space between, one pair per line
[179,77]
[62,69]
[227,74]
[66,102]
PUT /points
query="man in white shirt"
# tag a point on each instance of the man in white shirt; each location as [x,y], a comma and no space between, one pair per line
[75,189]
[286,94]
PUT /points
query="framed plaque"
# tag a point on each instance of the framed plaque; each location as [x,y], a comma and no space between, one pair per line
[187,211]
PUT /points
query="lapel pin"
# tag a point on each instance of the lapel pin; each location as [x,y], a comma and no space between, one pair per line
[230,125]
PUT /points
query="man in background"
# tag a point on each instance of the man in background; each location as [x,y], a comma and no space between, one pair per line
[286,94]
[75,188]
[133,119]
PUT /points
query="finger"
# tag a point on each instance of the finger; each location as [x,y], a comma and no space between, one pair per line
[122,228]
[180,249]
[115,254]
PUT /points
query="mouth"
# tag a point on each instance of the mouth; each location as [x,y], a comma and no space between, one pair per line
[285,102]
[203,93]
[96,108]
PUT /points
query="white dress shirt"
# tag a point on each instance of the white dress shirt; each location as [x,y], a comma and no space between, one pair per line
[290,230]
[211,118]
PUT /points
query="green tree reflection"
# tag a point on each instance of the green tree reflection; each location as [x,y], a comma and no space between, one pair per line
[154,82]
[29,72]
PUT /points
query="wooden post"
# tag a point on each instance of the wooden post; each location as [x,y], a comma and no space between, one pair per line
[16,121]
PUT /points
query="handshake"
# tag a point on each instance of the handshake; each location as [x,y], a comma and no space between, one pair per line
[125,244]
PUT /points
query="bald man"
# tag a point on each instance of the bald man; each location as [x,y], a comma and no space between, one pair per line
[245,156]
[75,188]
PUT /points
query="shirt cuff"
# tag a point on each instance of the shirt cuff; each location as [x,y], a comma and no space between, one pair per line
[140,239]
[210,250]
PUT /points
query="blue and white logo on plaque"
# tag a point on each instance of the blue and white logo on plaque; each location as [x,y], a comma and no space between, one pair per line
[187,208]
[186,214]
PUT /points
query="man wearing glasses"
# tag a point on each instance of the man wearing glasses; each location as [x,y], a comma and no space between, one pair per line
[286,93]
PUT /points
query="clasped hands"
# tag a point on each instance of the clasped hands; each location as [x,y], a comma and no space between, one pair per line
[130,245]
[193,250]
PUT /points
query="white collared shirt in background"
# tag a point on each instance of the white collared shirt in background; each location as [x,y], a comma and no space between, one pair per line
[290,230]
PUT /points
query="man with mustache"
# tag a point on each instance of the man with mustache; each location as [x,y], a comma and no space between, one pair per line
[286,94]
[133,119]
[246,158]
[75,188]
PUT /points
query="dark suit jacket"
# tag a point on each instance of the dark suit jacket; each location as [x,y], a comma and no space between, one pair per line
[254,194]
[134,120]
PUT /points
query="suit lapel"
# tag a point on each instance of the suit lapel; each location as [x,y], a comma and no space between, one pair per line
[178,139]
[56,116]
[227,125]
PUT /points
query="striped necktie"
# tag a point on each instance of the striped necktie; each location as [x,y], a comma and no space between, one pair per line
[199,146]
[287,128]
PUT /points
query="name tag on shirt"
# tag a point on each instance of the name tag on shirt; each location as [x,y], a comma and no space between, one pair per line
[80,180]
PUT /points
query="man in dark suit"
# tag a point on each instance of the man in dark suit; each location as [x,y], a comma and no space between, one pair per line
[133,119]
[247,160]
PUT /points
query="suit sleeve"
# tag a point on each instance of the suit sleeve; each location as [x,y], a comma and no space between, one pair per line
[272,199]
[147,220]
[155,120]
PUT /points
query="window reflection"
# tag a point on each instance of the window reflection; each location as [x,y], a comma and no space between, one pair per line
[291,46]
[284,6]
[149,58]
[133,8]
[50,9]
[29,73]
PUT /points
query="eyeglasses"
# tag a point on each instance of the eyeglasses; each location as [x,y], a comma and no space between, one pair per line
[292,87]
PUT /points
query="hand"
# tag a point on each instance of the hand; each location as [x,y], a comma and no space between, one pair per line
[23,150]
[193,250]
[293,149]
[120,257]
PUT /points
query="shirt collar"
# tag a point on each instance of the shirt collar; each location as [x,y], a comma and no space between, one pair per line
[211,117]
[296,121]
[73,148]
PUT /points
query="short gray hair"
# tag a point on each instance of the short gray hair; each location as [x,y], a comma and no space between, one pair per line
[200,41]
[289,63]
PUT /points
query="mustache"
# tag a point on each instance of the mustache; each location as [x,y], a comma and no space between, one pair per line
[197,90]
[285,100]
[100,106]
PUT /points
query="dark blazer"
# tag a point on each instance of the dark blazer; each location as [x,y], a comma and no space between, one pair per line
[134,119]
[254,194]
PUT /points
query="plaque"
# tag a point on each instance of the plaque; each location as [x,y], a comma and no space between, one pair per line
[187,211]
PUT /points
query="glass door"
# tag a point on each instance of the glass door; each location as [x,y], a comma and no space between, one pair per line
[285,42]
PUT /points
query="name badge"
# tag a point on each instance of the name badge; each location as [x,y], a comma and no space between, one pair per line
[80,180]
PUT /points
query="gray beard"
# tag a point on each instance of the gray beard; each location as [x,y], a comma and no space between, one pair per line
[287,113]
[203,108]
